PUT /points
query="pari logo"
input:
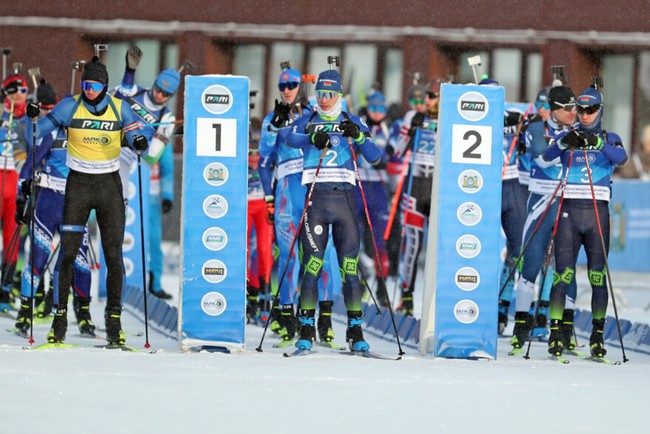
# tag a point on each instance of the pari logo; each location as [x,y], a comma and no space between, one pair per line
[473,106]
[214,271]
[215,206]
[466,311]
[467,279]
[468,246]
[213,304]
[215,239]
[469,213]
[215,174]
[217,99]
[470,181]
[129,242]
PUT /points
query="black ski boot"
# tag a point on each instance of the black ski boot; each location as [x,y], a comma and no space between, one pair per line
[567,329]
[503,315]
[276,314]
[288,325]
[114,333]
[555,346]
[354,334]
[24,318]
[82,312]
[596,341]
[382,293]
[521,332]
[59,326]
[158,293]
[325,331]
[252,307]
[307,329]
[407,303]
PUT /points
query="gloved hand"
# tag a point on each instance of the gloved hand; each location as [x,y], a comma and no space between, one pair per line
[33,110]
[594,140]
[26,188]
[513,118]
[280,114]
[270,208]
[167,206]
[416,122]
[140,143]
[350,129]
[390,151]
[21,204]
[321,140]
[571,140]
[133,56]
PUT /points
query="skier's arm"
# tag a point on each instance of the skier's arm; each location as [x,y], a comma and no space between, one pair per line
[614,150]
[161,138]
[131,126]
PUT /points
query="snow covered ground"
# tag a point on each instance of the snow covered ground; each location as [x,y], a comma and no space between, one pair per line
[89,390]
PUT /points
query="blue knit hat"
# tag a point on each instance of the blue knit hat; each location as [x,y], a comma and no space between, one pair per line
[329,81]
[590,97]
[168,80]
[289,75]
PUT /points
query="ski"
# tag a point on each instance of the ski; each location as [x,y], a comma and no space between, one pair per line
[515,351]
[299,352]
[369,355]
[50,346]
[331,345]
[125,348]
[283,344]
[559,358]
[594,358]
[18,332]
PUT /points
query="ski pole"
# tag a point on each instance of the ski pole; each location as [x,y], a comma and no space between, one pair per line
[602,243]
[144,278]
[32,208]
[365,281]
[552,240]
[374,241]
[397,195]
[293,242]
[525,247]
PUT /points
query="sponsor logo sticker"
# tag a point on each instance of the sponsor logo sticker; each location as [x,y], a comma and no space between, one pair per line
[215,206]
[473,106]
[213,303]
[470,181]
[469,213]
[468,246]
[466,311]
[467,279]
[214,271]
[215,239]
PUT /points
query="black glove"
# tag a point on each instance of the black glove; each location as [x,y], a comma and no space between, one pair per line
[350,129]
[133,56]
[167,206]
[572,140]
[416,122]
[513,118]
[280,114]
[33,110]
[21,204]
[140,143]
[26,188]
[592,139]
[321,140]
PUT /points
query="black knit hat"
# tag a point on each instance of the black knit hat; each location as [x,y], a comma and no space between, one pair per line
[45,94]
[559,96]
[94,70]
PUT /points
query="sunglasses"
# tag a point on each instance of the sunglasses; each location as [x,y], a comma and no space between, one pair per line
[291,85]
[324,94]
[542,105]
[590,109]
[164,93]
[568,106]
[416,101]
[96,87]
[377,108]
[22,89]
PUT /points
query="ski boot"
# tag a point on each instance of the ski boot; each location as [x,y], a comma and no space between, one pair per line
[24,318]
[114,333]
[252,306]
[568,340]
[16,284]
[406,307]
[540,331]
[276,315]
[325,331]
[521,332]
[287,320]
[59,326]
[44,308]
[503,315]
[555,346]
[596,341]
[354,334]
[307,329]
[382,293]
[82,312]
[160,293]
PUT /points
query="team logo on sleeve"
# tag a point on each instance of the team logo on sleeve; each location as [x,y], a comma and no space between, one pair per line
[217,99]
